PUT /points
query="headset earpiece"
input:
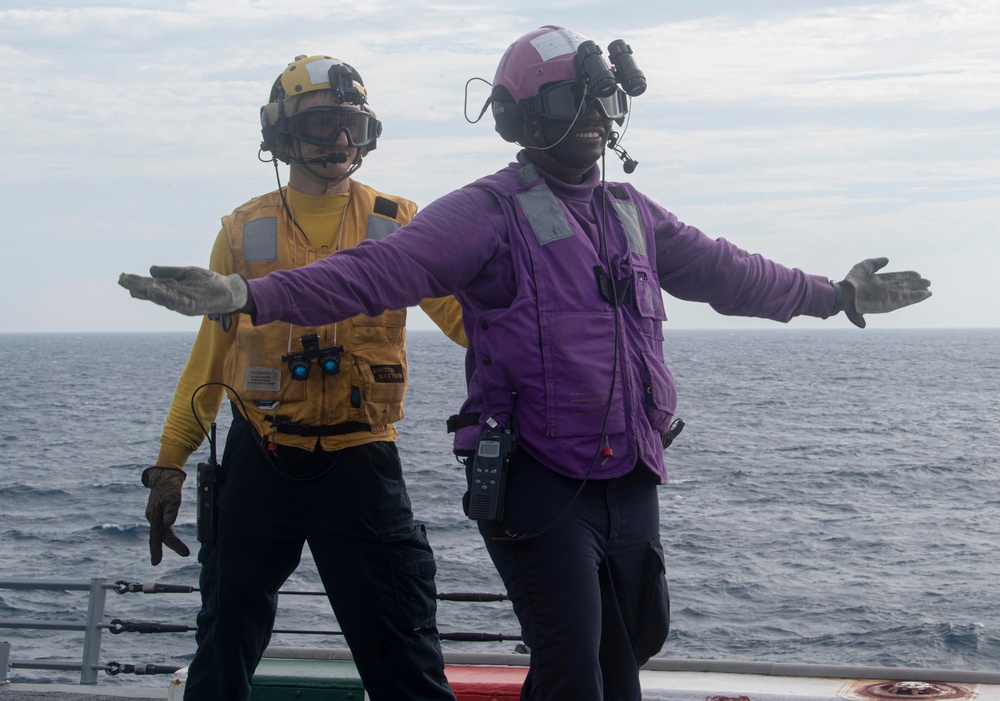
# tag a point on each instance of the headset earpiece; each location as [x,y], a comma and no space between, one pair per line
[509,120]
[273,126]
[508,115]
[269,116]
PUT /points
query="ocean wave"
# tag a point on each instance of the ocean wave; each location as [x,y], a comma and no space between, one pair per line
[832,500]
[124,529]
[26,494]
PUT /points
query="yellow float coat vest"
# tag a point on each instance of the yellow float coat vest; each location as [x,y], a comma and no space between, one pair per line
[361,402]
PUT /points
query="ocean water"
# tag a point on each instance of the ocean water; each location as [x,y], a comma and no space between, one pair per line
[834,498]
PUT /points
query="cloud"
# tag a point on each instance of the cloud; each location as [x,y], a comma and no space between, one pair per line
[819,131]
[937,54]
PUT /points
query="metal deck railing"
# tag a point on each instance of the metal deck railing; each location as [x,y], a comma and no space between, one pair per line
[94,625]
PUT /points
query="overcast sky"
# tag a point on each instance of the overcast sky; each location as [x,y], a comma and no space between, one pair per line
[814,133]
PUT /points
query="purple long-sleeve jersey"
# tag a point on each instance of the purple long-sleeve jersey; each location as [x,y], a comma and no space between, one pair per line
[460,245]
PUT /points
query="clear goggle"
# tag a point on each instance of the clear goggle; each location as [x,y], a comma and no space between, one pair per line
[562,101]
[321,126]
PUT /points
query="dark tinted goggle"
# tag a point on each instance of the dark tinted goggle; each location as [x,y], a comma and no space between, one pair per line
[562,101]
[321,126]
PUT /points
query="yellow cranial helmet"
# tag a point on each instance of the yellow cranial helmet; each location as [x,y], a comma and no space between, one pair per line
[309,74]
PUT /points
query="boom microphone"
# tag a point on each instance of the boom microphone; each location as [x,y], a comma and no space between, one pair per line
[628,163]
[335,157]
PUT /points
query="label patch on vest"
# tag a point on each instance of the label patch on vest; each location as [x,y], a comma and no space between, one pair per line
[388,373]
[546,217]
[260,239]
[386,207]
[379,228]
[262,379]
[632,222]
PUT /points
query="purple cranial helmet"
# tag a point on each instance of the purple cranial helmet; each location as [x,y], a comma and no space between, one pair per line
[554,72]
[546,55]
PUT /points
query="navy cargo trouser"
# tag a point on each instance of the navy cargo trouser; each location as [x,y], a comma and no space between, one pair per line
[377,567]
[590,591]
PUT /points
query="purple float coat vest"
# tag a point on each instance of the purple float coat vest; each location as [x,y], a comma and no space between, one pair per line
[563,346]
[521,261]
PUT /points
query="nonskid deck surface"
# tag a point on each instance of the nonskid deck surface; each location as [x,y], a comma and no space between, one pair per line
[662,680]
[65,692]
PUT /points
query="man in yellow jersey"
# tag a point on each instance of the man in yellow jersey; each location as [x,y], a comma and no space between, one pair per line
[310,456]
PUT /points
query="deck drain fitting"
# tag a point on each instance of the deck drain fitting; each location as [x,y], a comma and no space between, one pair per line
[913,690]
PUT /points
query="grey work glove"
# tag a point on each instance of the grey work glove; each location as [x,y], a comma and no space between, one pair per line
[868,293]
[161,510]
[190,291]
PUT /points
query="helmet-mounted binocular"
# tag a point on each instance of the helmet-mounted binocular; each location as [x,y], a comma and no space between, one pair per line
[300,362]
[603,81]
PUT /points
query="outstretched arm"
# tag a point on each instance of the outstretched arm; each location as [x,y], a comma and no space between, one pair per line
[442,249]
[694,267]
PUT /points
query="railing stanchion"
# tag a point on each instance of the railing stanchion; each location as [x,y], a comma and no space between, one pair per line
[92,636]
[4,662]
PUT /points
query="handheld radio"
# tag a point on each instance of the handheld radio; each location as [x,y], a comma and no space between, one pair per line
[488,476]
[208,496]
